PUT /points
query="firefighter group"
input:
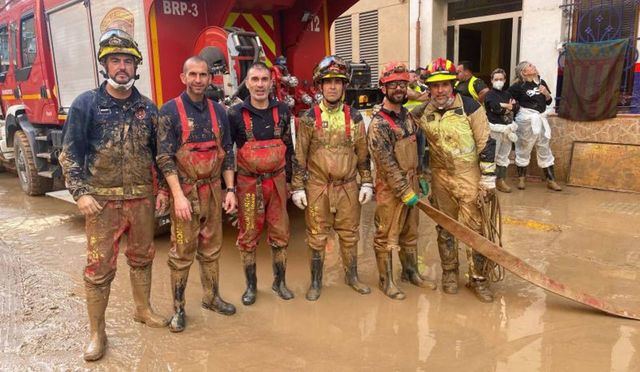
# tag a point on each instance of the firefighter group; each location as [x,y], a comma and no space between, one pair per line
[115,139]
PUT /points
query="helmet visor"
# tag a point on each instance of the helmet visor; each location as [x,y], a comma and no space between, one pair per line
[117,38]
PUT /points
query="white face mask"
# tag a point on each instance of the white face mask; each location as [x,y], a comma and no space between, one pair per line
[498,84]
[118,86]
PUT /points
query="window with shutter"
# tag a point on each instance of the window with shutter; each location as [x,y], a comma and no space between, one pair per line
[369,42]
[343,38]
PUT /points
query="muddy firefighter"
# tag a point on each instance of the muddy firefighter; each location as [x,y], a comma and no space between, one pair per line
[331,150]
[107,159]
[392,139]
[462,167]
[260,129]
[194,149]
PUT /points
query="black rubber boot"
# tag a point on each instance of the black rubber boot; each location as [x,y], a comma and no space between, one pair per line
[249,264]
[550,176]
[386,284]
[448,250]
[522,176]
[501,176]
[410,272]
[178,286]
[317,264]
[279,255]
[350,263]
[211,295]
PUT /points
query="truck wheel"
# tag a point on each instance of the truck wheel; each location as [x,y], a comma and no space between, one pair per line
[31,183]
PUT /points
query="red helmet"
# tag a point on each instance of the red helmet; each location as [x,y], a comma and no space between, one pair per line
[441,70]
[394,71]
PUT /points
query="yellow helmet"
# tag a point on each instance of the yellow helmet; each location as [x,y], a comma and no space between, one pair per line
[116,41]
[331,67]
[441,70]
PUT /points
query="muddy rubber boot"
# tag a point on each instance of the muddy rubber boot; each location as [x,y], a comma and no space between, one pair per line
[550,176]
[178,286]
[249,264]
[350,263]
[97,300]
[386,283]
[211,299]
[141,287]
[317,264]
[450,281]
[522,175]
[480,287]
[501,176]
[279,286]
[410,272]
[448,250]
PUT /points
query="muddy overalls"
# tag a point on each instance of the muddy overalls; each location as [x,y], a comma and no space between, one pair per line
[199,166]
[332,193]
[262,198]
[396,223]
[455,177]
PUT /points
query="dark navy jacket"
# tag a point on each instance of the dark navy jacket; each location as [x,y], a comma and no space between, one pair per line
[109,145]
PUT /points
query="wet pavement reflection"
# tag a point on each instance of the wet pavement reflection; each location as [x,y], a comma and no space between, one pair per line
[586,238]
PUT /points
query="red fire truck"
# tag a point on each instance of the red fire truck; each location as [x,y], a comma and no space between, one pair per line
[48,57]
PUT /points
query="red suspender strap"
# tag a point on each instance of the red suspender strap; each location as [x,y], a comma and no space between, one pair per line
[182,113]
[214,120]
[248,128]
[276,117]
[388,118]
[318,114]
[347,121]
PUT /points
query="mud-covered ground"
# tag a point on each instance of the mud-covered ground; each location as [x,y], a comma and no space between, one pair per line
[585,238]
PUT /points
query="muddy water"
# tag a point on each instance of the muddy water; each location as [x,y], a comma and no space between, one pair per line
[588,239]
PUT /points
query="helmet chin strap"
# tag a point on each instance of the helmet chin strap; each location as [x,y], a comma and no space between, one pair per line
[118,86]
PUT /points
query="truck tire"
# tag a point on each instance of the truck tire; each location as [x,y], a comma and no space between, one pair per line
[31,183]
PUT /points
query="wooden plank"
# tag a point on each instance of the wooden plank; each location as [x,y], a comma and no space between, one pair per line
[605,166]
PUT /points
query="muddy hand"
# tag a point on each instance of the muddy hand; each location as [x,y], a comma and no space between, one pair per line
[230,203]
[88,205]
[182,208]
[162,203]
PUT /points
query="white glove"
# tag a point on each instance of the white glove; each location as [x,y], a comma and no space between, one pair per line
[299,198]
[366,193]
[487,182]
[513,127]
[512,137]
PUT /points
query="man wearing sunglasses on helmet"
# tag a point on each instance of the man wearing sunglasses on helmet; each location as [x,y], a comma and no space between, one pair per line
[331,150]
[393,139]
[107,157]
[462,169]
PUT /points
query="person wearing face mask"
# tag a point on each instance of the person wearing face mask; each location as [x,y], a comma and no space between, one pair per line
[107,158]
[330,152]
[260,129]
[462,167]
[533,96]
[393,143]
[501,108]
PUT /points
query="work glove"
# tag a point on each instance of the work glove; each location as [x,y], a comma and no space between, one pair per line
[299,198]
[410,199]
[510,132]
[424,186]
[366,193]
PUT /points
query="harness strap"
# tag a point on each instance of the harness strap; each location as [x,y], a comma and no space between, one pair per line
[248,124]
[182,113]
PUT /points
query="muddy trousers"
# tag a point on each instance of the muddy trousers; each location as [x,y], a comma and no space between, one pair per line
[455,194]
[503,149]
[333,206]
[135,218]
[199,238]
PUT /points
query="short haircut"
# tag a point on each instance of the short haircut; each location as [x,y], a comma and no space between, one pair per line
[259,66]
[498,71]
[194,59]
[466,65]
